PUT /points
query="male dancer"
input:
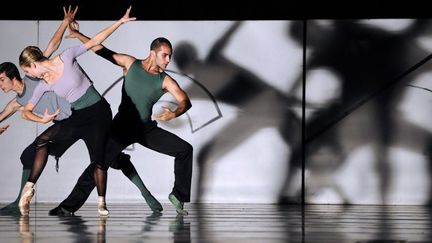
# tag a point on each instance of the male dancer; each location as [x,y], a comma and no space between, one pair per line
[145,82]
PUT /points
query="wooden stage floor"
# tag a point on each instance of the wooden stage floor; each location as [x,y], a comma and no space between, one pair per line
[223,223]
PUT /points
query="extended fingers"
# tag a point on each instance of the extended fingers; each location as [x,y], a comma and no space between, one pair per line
[126,17]
[69,11]
[75,10]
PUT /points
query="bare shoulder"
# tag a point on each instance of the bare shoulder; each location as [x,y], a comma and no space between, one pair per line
[125,60]
[169,81]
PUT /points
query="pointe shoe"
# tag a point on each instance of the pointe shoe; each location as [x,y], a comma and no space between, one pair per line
[26,196]
[102,209]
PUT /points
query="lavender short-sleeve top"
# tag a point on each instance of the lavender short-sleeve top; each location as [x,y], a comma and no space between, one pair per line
[74,81]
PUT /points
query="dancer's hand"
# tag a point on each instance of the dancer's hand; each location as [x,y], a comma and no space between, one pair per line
[2,129]
[69,15]
[73,30]
[126,17]
[49,117]
[166,115]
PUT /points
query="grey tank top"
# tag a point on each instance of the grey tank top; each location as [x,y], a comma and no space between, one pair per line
[49,100]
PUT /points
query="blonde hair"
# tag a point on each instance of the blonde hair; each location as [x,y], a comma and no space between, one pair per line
[31,54]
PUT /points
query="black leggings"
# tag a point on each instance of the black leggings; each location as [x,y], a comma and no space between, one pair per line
[90,124]
[56,150]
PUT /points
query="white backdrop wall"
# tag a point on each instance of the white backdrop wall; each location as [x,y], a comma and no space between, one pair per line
[249,139]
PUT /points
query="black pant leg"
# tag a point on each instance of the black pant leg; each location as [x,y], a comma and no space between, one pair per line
[28,155]
[168,143]
[81,191]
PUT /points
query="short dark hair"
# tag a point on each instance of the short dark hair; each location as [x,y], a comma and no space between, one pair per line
[10,70]
[158,42]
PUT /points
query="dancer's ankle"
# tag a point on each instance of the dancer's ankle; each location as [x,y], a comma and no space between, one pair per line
[102,209]
[153,203]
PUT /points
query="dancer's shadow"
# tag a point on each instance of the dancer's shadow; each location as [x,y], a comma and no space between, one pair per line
[80,230]
[260,104]
[372,67]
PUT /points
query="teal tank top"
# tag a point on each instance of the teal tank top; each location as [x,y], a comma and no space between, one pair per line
[90,97]
[144,89]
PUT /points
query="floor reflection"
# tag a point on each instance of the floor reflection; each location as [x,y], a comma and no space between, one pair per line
[225,223]
[26,234]
[181,230]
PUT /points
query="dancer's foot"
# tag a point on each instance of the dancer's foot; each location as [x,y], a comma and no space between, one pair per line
[177,204]
[102,209]
[153,203]
[26,196]
[59,211]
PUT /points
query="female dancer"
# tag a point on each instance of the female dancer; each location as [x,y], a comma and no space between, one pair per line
[91,113]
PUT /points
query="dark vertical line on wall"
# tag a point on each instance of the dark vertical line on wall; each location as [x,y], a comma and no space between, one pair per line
[303,130]
[303,114]
[37,44]
[37,129]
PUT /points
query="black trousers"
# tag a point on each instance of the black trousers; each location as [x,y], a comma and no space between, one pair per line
[125,132]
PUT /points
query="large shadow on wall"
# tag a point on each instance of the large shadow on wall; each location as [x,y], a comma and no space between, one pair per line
[261,104]
[373,67]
